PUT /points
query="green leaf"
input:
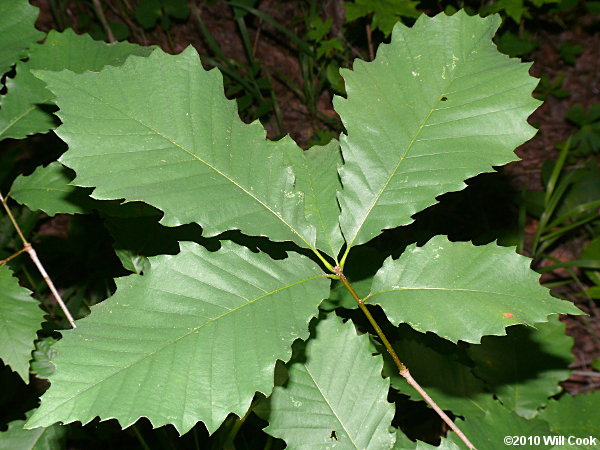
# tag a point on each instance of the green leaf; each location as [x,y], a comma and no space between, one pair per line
[577,416]
[318,29]
[489,430]
[590,252]
[42,356]
[17,438]
[587,139]
[436,106]
[514,45]
[515,9]
[172,140]
[525,367]
[335,397]
[191,340]
[140,235]
[177,9]
[20,318]
[148,12]
[25,109]
[385,12]
[317,176]
[569,52]
[48,189]
[463,292]
[17,32]
[335,79]
[592,6]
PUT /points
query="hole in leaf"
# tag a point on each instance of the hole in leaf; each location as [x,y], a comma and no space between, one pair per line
[333,435]
[443,98]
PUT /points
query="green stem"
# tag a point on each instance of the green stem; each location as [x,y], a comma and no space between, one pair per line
[196,441]
[12,219]
[343,260]
[14,255]
[236,427]
[140,438]
[339,272]
[402,369]
[323,260]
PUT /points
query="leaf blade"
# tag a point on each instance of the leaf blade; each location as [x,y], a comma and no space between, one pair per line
[489,429]
[326,403]
[15,437]
[525,367]
[427,289]
[575,416]
[48,189]
[175,138]
[317,176]
[17,31]
[180,344]
[423,116]
[21,317]
[24,108]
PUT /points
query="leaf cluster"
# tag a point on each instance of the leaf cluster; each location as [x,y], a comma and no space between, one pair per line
[233,242]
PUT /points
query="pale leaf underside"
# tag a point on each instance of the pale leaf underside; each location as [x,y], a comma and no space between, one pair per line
[463,292]
[438,105]
[20,318]
[48,189]
[317,176]
[170,138]
[192,340]
[336,398]
[17,31]
[25,107]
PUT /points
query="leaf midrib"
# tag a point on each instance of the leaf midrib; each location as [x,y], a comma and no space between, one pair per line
[475,291]
[392,174]
[402,158]
[326,233]
[21,116]
[330,406]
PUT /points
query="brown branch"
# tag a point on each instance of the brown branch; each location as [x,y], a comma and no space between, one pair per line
[370,42]
[33,255]
[402,369]
[102,18]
